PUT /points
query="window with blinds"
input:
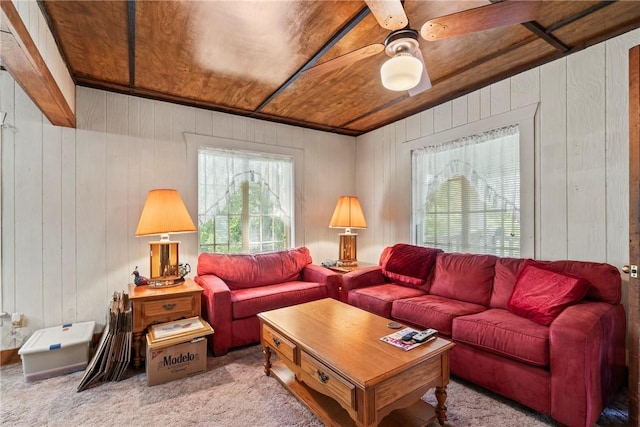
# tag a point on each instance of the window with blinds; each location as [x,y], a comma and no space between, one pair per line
[245,201]
[466,194]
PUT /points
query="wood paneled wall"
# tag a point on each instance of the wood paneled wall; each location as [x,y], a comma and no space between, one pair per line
[72,197]
[580,156]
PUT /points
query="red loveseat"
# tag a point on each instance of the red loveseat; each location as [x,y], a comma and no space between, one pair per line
[238,287]
[550,335]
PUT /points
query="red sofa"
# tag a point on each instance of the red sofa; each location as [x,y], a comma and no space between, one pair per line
[550,335]
[238,287]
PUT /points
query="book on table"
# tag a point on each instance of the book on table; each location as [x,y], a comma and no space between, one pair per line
[395,339]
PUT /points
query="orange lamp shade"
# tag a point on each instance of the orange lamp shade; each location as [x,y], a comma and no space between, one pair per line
[348,214]
[164,212]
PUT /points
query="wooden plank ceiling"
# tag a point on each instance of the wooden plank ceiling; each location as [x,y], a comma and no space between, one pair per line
[248,57]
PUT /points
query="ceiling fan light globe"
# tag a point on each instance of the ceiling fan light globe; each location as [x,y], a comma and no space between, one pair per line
[402,72]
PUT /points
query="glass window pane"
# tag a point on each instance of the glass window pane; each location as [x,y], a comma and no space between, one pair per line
[467,193]
[236,188]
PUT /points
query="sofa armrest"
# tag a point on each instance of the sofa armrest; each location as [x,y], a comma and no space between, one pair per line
[216,309]
[362,277]
[319,274]
[587,358]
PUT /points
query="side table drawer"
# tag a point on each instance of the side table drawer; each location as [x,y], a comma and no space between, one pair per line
[168,306]
[282,345]
[327,381]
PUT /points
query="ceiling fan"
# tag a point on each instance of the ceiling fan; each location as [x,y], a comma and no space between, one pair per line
[406,70]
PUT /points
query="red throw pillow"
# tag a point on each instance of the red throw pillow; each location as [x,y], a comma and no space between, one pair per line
[540,294]
[409,264]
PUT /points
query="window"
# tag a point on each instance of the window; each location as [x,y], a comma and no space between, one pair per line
[245,201]
[467,194]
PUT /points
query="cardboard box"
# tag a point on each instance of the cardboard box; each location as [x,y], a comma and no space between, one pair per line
[176,350]
[58,350]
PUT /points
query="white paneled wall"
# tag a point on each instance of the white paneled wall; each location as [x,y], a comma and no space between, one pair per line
[580,156]
[71,198]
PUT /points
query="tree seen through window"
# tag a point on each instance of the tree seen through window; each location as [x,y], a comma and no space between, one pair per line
[457,220]
[247,224]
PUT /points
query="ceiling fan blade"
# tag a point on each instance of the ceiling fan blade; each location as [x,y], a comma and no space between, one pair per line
[425,82]
[344,60]
[389,13]
[481,18]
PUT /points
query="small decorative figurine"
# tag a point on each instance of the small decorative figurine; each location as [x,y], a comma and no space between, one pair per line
[183,270]
[139,280]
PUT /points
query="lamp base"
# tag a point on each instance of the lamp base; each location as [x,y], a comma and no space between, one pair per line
[164,261]
[348,250]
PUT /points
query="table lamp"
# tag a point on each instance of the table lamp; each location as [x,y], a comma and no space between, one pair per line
[348,214]
[164,212]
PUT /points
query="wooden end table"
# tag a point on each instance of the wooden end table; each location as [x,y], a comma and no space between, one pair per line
[160,305]
[331,358]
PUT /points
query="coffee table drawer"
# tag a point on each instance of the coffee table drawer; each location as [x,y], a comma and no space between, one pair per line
[327,381]
[282,345]
[405,382]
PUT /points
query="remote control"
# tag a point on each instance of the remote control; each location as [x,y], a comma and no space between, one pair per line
[409,336]
[424,335]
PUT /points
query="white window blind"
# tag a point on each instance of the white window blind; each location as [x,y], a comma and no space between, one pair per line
[466,194]
[245,201]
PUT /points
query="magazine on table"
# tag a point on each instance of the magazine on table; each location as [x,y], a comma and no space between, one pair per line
[395,339]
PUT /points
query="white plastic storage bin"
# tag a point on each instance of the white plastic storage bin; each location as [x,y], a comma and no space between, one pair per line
[55,351]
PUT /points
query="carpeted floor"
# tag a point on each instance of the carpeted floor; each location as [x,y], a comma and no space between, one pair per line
[233,392]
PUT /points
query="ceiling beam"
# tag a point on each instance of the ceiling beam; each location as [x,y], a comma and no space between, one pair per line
[20,56]
[541,32]
[546,33]
[577,16]
[131,21]
[364,12]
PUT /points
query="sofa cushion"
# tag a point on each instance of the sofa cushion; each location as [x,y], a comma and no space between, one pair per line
[506,273]
[241,271]
[432,311]
[410,265]
[249,302]
[540,294]
[464,277]
[604,278]
[378,298]
[504,333]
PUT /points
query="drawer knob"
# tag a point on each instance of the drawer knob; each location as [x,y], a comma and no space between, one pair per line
[276,341]
[168,306]
[323,377]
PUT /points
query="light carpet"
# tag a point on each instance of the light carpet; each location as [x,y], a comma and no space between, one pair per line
[233,392]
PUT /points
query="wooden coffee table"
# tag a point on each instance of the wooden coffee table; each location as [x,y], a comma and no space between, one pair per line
[331,358]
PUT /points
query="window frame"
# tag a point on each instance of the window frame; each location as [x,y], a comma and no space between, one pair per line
[525,119]
[195,141]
